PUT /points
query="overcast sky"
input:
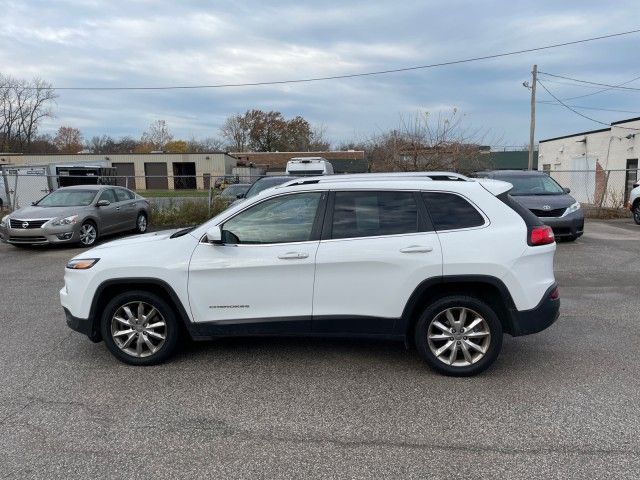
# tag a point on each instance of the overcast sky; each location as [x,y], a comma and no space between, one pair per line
[147,43]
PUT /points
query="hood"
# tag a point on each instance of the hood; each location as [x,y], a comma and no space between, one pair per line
[136,239]
[26,213]
[537,202]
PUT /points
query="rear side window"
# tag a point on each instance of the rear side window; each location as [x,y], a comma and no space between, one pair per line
[451,212]
[368,214]
[123,195]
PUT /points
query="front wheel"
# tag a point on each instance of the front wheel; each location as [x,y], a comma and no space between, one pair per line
[459,335]
[139,328]
[636,213]
[88,234]
[141,223]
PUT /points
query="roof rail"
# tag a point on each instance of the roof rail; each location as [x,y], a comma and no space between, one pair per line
[359,177]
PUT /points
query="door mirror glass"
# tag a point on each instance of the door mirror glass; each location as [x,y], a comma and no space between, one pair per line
[214,235]
[103,203]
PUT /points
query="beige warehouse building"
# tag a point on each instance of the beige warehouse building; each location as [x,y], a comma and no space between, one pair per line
[143,171]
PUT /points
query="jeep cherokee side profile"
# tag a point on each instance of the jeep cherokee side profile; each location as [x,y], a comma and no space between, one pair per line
[436,259]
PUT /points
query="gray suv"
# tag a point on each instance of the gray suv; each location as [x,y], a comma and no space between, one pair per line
[79,214]
[546,199]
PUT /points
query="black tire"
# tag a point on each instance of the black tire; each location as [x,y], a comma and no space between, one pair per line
[636,213]
[141,227]
[171,331]
[88,243]
[434,311]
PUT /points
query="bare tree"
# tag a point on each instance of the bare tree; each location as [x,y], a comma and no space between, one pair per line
[235,131]
[208,144]
[424,142]
[317,139]
[158,135]
[23,106]
[100,144]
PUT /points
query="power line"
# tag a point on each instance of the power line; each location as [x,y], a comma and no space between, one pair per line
[578,113]
[549,102]
[364,74]
[602,90]
[592,83]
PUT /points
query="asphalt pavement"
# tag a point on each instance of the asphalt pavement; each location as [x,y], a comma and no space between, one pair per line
[560,404]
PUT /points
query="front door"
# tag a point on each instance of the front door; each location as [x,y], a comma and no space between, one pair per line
[260,280]
[109,215]
[378,248]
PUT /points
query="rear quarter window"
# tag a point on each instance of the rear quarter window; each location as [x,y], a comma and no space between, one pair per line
[449,211]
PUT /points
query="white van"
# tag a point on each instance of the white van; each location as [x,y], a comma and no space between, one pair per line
[309,166]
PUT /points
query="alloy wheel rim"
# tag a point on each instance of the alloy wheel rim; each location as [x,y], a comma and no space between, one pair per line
[459,337]
[138,329]
[636,214]
[142,223]
[87,234]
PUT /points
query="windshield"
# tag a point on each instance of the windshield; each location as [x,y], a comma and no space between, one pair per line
[234,190]
[264,183]
[68,198]
[532,185]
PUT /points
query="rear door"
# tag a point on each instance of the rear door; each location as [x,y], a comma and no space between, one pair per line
[377,247]
[127,209]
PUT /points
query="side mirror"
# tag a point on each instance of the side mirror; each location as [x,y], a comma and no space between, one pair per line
[214,235]
[240,195]
[103,203]
[566,190]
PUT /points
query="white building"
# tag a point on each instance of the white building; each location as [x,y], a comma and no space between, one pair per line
[599,166]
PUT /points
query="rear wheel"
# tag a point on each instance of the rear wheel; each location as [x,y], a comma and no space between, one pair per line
[139,328]
[636,213]
[459,335]
[88,234]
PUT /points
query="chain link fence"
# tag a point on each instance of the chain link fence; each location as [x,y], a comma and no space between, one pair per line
[599,189]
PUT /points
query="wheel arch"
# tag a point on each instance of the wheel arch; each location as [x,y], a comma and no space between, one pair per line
[110,288]
[484,287]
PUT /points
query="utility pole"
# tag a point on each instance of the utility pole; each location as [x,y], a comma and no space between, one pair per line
[532,126]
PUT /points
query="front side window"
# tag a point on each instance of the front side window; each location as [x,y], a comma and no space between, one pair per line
[108,195]
[284,219]
[450,212]
[368,214]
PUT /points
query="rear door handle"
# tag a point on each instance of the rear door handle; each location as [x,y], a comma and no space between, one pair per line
[416,249]
[293,256]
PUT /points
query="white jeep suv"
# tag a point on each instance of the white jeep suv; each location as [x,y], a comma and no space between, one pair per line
[435,259]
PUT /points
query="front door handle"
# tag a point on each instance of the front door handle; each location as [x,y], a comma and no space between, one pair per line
[416,249]
[293,256]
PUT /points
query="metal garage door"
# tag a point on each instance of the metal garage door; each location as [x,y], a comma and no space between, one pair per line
[126,175]
[156,175]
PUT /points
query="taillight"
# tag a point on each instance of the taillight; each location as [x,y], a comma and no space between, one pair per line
[555,294]
[542,235]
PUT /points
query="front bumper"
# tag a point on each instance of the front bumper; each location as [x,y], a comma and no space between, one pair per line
[538,318]
[82,325]
[569,226]
[41,236]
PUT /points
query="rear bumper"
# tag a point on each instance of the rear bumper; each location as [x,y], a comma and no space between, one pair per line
[82,325]
[570,226]
[538,318]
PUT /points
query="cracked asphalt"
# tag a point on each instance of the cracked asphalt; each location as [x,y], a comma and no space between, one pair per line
[560,404]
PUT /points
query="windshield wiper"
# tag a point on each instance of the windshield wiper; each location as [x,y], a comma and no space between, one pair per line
[182,232]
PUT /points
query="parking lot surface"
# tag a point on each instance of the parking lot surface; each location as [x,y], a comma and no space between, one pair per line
[560,404]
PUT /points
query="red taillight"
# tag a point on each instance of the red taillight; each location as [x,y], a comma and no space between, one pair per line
[555,294]
[542,235]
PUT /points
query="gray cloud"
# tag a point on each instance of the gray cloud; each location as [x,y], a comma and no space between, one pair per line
[142,43]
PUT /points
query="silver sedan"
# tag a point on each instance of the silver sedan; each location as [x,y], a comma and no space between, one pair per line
[78,214]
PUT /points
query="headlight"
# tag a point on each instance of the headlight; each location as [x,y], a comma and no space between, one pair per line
[572,208]
[65,221]
[82,263]
[4,221]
